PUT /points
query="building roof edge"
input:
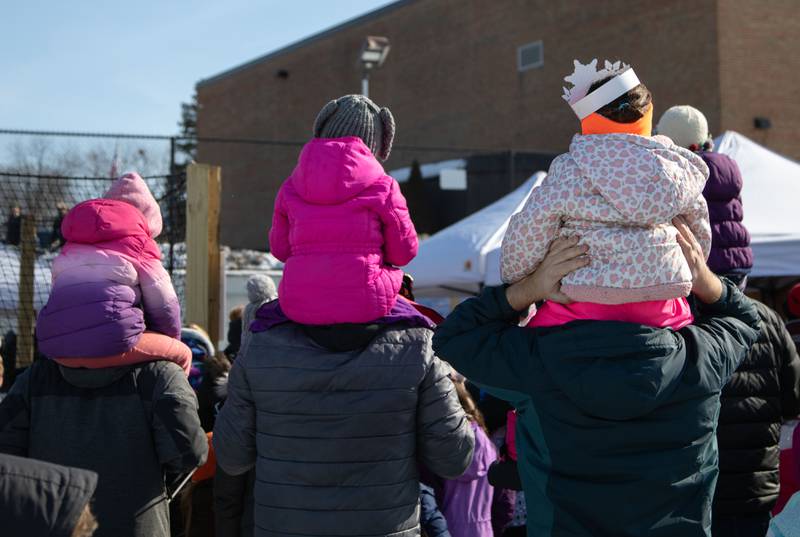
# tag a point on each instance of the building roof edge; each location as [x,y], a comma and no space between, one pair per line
[303,42]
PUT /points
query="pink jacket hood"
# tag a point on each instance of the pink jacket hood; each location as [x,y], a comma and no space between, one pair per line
[333,170]
[664,177]
[108,286]
[132,189]
[112,224]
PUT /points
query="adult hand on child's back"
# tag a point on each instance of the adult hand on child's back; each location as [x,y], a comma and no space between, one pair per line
[544,283]
[705,284]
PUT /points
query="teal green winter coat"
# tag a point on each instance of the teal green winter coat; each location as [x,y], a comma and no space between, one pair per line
[617,421]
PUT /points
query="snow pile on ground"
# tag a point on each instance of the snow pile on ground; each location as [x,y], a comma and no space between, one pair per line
[9,278]
[234,259]
[250,260]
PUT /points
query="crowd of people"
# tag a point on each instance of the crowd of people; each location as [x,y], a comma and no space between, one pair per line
[51,239]
[619,383]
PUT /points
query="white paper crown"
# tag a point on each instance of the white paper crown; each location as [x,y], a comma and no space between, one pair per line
[585,75]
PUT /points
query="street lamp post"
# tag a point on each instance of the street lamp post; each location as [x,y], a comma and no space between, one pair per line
[365,84]
[373,54]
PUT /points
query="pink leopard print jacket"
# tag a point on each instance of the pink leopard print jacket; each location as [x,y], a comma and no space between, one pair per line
[619,192]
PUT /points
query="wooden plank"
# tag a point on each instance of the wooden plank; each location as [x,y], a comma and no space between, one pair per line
[214,256]
[202,298]
[26,316]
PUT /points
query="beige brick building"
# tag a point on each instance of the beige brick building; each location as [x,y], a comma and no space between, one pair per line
[452,79]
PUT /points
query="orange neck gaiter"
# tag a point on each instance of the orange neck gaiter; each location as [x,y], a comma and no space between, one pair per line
[597,124]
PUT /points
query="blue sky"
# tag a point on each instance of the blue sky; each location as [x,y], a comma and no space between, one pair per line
[113,66]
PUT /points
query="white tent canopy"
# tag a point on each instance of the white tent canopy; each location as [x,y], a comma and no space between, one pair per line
[770,195]
[466,255]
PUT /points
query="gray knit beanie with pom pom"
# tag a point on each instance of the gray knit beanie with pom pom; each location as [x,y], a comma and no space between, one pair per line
[261,288]
[356,115]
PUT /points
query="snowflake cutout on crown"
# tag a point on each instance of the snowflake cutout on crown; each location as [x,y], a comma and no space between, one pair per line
[585,75]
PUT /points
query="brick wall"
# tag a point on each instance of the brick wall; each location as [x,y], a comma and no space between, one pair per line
[451,80]
[759,53]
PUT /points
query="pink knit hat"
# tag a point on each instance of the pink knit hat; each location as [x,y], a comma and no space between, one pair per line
[132,189]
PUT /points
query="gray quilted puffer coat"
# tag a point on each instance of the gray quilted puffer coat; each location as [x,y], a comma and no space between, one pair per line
[336,434]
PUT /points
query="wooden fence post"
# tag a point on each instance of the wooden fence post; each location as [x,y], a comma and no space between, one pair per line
[26,316]
[202,293]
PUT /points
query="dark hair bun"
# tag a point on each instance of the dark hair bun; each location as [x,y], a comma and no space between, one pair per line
[627,108]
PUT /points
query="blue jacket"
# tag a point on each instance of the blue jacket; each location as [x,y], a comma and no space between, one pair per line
[617,421]
[430,517]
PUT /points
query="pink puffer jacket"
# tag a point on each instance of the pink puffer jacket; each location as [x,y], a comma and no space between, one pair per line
[619,192]
[342,226]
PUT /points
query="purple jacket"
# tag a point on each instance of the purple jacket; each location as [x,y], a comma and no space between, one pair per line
[467,500]
[730,245]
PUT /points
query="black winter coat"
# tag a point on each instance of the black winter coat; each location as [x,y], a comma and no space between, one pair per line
[39,498]
[130,425]
[234,504]
[762,393]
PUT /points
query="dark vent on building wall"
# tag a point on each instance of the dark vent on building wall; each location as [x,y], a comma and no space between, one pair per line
[530,56]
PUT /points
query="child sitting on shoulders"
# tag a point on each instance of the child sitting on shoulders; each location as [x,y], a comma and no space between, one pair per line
[340,223]
[618,188]
[112,302]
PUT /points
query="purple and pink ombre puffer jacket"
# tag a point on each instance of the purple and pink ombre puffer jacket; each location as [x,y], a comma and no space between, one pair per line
[108,281]
[342,227]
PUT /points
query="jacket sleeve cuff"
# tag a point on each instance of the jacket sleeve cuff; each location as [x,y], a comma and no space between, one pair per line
[733,303]
[497,296]
[722,305]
